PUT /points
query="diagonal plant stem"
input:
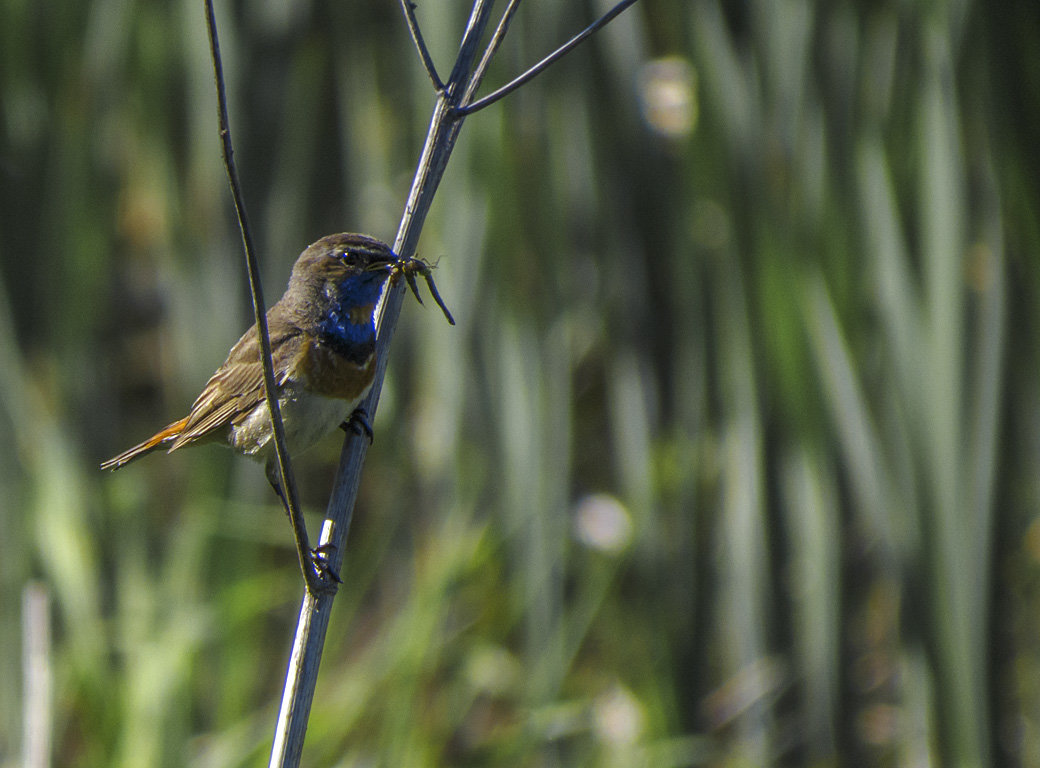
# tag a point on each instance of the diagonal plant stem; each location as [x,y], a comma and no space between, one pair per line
[408,8]
[548,61]
[492,48]
[445,125]
[313,620]
[289,492]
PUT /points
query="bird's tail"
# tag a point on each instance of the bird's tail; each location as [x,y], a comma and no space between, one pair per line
[158,440]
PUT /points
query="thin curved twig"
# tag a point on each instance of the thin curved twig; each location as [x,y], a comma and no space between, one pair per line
[496,40]
[289,495]
[541,66]
[420,44]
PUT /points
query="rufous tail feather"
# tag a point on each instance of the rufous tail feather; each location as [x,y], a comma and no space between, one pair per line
[156,441]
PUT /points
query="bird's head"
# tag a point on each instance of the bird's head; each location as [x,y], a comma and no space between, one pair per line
[345,268]
[336,258]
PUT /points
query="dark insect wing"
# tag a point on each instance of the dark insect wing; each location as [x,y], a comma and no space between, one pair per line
[428,274]
[409,276]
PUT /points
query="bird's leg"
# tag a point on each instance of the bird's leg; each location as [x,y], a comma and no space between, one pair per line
[318,555]
[276,486]
[358,423]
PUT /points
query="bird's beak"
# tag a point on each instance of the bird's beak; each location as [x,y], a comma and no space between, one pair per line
[383,263]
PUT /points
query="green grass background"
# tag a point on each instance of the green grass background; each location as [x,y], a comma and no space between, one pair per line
[731,459]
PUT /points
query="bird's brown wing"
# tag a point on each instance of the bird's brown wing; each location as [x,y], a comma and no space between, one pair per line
[238,385]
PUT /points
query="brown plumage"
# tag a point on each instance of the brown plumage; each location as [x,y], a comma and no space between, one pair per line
[322,334]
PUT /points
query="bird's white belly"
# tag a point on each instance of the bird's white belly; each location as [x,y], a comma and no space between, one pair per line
[307,418]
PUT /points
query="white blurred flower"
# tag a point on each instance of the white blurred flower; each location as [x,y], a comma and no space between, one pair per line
[668,95]
[618,717]
[602,522]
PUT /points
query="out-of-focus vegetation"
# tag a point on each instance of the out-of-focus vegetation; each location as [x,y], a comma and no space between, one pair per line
[731,460]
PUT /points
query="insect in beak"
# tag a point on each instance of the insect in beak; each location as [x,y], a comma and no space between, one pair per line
[409,268]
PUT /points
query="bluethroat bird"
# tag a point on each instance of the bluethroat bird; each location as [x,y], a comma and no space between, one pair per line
[323,340]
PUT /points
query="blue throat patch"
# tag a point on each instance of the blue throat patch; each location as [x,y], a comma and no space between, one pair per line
[349,328]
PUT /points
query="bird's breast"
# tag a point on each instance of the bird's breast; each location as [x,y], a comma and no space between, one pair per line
[326,372]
